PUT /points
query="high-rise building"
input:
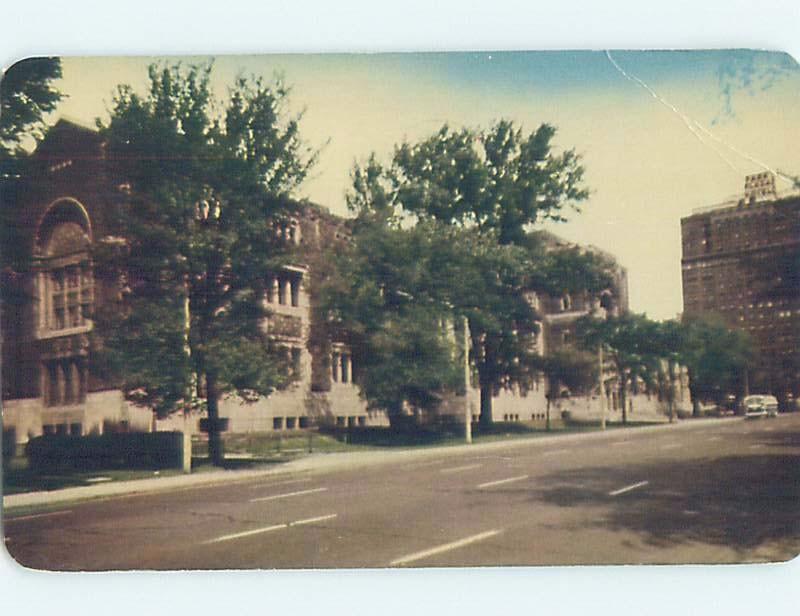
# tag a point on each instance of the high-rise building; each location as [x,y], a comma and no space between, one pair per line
[741,261]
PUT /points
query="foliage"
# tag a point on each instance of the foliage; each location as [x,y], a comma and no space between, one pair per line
[208,192]
[716,357]
[632,343]
[497,179]
[385,300]
[482,191]
[26,95]
[571,368]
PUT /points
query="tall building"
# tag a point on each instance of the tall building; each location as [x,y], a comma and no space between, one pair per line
[741,261]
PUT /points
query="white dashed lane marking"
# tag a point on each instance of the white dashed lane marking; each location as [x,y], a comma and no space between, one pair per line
[37,515]
[628,488]
[268,529]
[458,469]
[500,482]
[261,486]
[554,452]
[287,495]
[444,548]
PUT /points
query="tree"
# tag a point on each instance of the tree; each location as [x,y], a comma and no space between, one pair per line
[382,298]
[670,342]
[717,358]
[209,194]
[631,343]
[567,367]
[26,95]
[491,186]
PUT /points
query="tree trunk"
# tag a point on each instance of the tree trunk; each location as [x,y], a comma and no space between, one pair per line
[693,395]
[623,395]
[486,406]
[215,449]
[547,415]
[671,390]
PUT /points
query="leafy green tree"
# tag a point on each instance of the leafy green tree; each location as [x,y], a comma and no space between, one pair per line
[716,357]
[488,188]
[498,179]
[670,342]
[208,194]
[567,367]
[630,341]
[382,297]
[26,95]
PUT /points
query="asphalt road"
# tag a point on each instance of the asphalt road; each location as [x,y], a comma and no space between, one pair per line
[726,492]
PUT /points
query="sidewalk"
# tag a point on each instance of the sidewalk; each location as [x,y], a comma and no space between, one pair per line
[321,463]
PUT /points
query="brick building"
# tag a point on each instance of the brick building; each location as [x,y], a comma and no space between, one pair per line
[741,261]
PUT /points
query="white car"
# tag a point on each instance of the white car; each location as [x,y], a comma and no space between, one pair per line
[760,406]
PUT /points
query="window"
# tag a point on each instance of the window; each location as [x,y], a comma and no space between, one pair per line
[345,368]
[335,367]
[297,355]
[291,423]
[295,289]
[277,423]
[64,382]
[282,284]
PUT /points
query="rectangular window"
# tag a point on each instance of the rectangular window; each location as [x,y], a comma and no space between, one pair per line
[277,423]
[295,289]
[291,423]
[345,368]
[304,422]
[335,367]
[282,284]
[71,296]
[297,354]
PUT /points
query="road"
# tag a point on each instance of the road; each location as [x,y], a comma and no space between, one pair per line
[716,493]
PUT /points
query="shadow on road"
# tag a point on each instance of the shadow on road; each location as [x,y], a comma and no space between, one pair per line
[741,502]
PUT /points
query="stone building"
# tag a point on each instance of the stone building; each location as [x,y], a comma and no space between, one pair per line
[741,260]
[65,205]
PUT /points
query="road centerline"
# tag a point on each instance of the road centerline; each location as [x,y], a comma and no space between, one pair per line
[458,469]
[500,482]
[628,488]
[287,495]
[447,547]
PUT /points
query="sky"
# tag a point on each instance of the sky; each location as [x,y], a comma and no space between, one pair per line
[660,133]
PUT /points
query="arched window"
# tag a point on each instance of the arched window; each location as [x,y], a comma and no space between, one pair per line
[65,289]
[65,281]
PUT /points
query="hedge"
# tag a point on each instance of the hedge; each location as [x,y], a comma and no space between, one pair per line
[143,450]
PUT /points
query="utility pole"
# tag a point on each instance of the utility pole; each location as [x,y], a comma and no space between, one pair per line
[602,387]
[467,410]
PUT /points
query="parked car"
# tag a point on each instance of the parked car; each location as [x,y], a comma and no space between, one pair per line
[760,405]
